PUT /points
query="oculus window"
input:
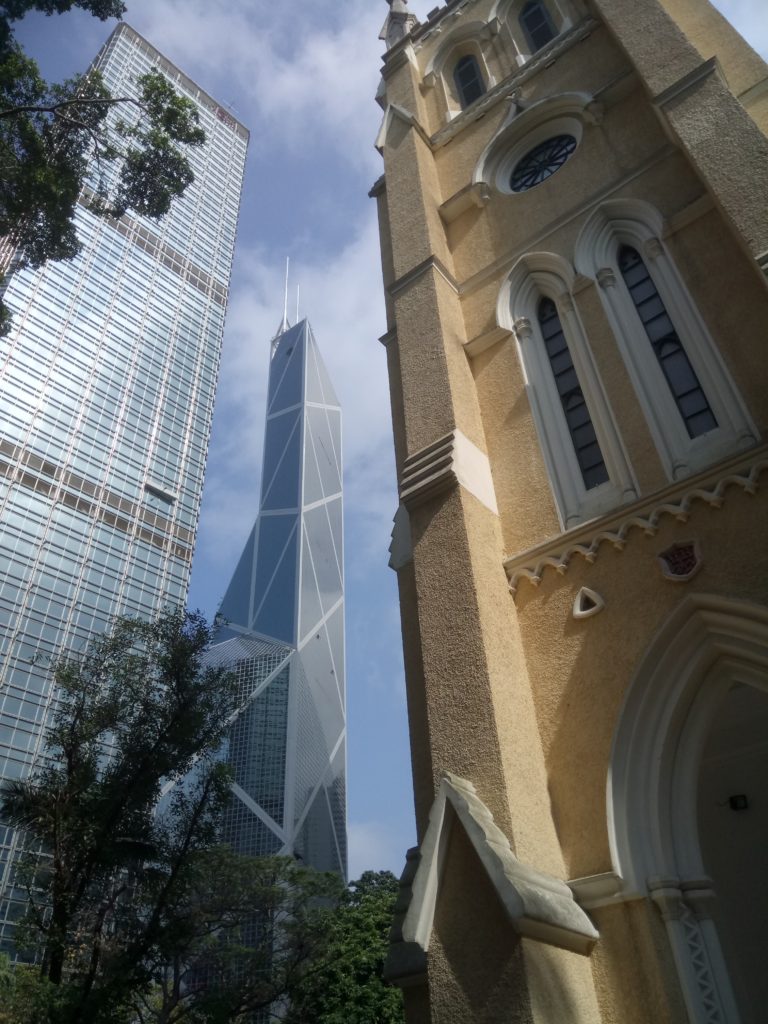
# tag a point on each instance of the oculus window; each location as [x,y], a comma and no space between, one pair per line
[541,162]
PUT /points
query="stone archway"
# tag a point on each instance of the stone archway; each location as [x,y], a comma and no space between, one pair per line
[709,647]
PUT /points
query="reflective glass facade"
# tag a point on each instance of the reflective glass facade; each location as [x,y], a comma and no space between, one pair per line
[283,626]
[107,383]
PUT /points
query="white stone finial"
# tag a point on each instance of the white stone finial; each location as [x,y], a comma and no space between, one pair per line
[398,24]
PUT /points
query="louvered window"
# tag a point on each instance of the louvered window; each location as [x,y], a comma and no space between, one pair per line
[583,437]
[537,25]
[469,80]
[672,358]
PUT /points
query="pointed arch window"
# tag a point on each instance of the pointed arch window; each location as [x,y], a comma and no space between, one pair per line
[468,80]
[692,406]
[579,422]
[537,24]
[667,347]
[587,467]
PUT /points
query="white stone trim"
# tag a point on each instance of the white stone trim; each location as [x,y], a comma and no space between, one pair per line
[401,547]
[463,41]
[507,87]
[473,471]
[525,127]
[604,890]
[531,564]
[704,980]
[587,603]
[508,14]
[392,115]
[452,459]
[481,342]
[636,223]
[538,906]
[546,274]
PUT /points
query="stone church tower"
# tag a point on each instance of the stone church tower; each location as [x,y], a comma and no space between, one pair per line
[574,232]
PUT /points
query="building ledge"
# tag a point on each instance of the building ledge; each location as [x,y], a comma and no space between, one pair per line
[710,487]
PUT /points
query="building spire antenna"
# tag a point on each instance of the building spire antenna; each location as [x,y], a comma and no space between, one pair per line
[284,323]
[297,303]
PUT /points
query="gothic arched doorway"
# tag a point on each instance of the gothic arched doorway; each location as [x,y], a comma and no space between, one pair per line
[703,681]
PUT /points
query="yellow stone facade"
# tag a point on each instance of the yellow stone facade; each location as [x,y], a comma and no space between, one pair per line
[586,656]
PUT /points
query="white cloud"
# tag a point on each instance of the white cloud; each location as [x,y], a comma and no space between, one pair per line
[301,81]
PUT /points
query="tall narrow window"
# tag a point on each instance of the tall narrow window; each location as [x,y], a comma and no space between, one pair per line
[674,362]
[469,80]
[537,24]
[585,443]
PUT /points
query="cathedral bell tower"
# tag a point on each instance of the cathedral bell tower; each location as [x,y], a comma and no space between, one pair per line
[574,235]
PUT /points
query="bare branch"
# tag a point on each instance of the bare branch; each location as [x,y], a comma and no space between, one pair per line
[55,108]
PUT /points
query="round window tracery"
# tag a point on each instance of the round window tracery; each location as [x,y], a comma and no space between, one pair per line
[541,162]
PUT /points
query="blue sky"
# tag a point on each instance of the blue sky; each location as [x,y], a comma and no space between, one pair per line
[302,77]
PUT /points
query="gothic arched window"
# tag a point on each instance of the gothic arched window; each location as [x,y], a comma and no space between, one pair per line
[537,24]
[692,406]
[585,461]
[577,418]
[468,80]
[667,347]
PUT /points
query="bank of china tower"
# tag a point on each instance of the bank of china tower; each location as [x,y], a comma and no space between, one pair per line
[282,626]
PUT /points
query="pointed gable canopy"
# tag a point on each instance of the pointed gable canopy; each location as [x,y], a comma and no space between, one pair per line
[538,906]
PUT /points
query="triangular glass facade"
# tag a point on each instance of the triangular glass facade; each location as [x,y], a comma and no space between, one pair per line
[282,627]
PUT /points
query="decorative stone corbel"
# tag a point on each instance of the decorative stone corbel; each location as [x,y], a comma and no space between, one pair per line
[523,329]
[652,248]
[606,277]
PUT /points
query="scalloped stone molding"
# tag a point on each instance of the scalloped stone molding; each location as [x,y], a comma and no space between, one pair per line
[539,906]
[532,568]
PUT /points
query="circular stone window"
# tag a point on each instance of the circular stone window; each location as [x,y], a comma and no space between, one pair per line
[541,162]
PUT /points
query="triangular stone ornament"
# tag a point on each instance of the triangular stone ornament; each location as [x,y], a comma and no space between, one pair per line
[587,603]
[537,905]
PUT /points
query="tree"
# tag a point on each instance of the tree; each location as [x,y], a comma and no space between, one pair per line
[348,986]
[242,931]
[134,910]
[60,143]
[24,995]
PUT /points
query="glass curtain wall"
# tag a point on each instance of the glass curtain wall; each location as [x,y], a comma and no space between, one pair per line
[107,383]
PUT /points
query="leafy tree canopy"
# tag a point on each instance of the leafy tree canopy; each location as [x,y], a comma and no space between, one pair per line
[61,142]
[348,986]
[135,912]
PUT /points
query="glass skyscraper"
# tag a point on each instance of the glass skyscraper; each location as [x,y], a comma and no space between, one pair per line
[282,627]
[107,383]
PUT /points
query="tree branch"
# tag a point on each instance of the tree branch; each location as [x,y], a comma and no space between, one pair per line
[80,101]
